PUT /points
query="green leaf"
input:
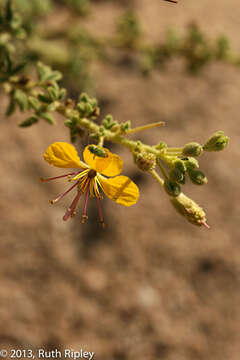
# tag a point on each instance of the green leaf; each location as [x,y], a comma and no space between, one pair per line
[34,103]
[21,99]
[53,92]
[11,107]
[48,117]
[45,73]
[44,98]
[29,121]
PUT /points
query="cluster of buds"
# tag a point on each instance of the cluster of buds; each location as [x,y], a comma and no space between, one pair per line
[177,163]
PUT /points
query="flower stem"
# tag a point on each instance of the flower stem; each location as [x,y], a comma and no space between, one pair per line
[157,177]
[162,168]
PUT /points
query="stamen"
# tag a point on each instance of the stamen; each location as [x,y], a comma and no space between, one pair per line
[58,177]
[205,224]
[99,210]
[97,192]
[79,176]
[84,216]
[62,195]
[71,210]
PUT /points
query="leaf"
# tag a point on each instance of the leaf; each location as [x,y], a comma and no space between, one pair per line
[9,11]
[21,99]
[11,107]
[29,121]
[48,117]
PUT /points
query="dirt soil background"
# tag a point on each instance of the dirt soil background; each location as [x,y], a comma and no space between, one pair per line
[150,286]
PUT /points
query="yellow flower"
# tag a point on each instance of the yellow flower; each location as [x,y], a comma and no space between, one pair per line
[89,178]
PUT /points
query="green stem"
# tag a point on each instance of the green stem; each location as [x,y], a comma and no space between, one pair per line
[157,177]
[162,168]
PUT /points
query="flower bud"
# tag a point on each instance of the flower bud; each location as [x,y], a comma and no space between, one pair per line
[161,145]
[177,175]
[197,177]
[172,188]
[145,161]
[191,163]
[217,142]
[180,165]
[192,149]
[189,209]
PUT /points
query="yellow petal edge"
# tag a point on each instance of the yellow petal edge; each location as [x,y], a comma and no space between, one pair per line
[63,155]
[121,189]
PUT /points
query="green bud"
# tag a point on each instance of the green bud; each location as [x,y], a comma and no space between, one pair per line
[189,209]
[172,188]
[197,177]
[29,121]
[177,175]
[191,163]
[89,109]
[180,165]
[161,145]
[108,122]
[84,98]
[125,126]
[192,149]
[81,108]
[216,142]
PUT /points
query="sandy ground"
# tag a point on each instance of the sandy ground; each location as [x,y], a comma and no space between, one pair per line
[150,286]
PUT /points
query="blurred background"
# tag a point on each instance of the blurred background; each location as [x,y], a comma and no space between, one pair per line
[150,285]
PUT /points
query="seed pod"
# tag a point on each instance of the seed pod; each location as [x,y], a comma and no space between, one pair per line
[189,209]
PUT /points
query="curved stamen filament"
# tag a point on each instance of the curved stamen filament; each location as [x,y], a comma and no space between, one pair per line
[82,174]
[84,216]
[62,195]
[70,211]
[58,177]
[99,208]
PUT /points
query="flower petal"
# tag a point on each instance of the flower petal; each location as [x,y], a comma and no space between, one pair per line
[63,155]
[120,189]
[111,165]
